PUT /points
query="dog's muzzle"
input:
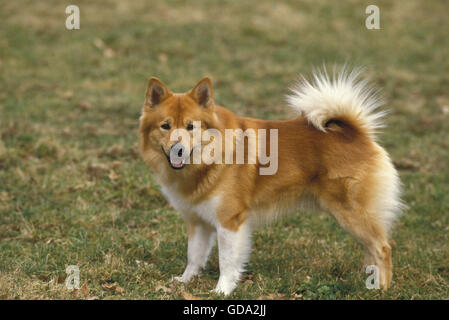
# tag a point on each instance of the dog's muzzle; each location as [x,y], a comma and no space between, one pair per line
[177,156]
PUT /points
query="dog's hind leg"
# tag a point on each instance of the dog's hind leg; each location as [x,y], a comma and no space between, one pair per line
[372,236]
[201,240]
[364,223]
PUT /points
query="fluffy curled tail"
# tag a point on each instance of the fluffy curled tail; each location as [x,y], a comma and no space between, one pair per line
[344,97]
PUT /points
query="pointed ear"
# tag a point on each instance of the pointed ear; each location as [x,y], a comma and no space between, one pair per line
[202,93]
[156,93]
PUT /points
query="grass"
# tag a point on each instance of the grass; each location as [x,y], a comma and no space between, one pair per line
[73,189]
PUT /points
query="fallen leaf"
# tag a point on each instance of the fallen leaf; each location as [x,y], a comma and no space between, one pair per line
[163,57]
[116,164]
[113,287]
[4,196]
[2,147]
[406,164]
[60,279]
[67,94]
[276,296]
[189,296]
[109,286]
[164,289]
[43,278]
[99,43]
[109,53]
[112,175]
[83,292]
[84,105]
[445,109]
[97,170]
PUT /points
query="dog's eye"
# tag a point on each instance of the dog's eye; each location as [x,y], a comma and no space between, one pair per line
[165,126]
[190,126]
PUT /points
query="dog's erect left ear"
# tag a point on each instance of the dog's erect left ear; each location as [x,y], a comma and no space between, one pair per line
[156,93]
[202,93]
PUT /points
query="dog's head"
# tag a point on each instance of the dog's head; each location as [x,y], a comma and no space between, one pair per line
[167,124]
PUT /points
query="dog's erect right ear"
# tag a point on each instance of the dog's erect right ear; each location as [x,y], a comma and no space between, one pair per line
[156,93]
[202,93]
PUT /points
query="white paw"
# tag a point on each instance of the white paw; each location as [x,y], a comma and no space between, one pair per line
[179,279]
[225,287]
[189,273]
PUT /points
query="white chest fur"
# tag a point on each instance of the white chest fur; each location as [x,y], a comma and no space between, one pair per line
[206,210]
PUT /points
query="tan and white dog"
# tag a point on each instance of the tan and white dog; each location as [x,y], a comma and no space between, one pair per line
[327,155]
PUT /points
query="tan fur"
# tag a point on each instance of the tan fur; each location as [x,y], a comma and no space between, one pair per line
[335,169]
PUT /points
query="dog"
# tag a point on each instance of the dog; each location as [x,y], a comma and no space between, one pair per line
[327,156]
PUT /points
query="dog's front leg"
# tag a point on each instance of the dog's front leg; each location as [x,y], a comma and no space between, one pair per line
[234,248]
[201,239]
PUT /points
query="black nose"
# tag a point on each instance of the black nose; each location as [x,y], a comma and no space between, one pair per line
[177,149]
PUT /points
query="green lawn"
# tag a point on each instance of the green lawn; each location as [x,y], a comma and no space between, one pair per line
[74,190]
